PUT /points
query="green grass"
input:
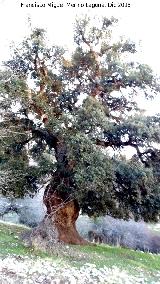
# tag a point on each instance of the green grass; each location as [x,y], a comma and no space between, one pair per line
[122,257]
[9,240]
[135,262]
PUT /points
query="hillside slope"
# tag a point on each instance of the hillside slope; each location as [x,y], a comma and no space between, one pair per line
[72,264]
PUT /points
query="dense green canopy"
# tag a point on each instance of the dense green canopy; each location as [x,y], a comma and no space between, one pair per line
[74,116]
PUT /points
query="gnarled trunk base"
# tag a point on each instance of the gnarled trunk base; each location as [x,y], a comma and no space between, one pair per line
[64,215]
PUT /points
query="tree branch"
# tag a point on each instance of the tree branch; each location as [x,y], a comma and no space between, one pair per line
[49,138]
[123,144]
[113,143]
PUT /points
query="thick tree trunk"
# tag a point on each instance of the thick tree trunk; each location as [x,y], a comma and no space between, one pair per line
[63,215]
[63,211]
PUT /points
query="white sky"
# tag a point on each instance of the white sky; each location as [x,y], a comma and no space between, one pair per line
[140,22]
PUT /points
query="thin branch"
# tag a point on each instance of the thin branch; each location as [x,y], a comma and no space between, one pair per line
[123,144]
[113,143]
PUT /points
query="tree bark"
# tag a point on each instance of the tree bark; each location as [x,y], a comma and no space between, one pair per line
[61,208]
[64,215]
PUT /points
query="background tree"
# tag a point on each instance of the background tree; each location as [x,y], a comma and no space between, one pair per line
[67,114]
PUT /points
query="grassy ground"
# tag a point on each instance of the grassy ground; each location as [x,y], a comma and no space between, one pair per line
[136,263]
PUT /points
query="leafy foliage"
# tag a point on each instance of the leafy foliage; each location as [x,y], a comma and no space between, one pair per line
[61,117]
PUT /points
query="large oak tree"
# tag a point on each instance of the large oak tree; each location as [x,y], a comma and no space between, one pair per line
[73,116]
